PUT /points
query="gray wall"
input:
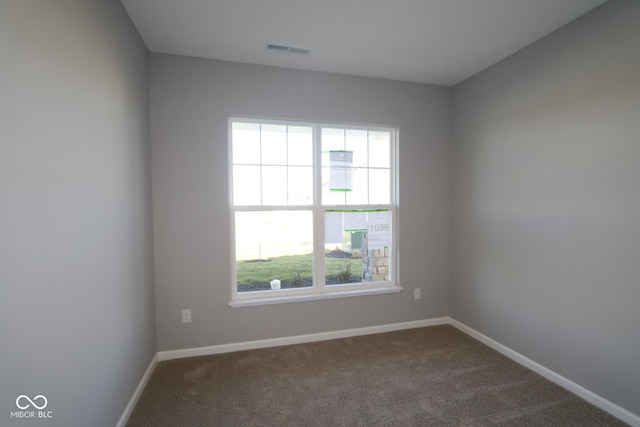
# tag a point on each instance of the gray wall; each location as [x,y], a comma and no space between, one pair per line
[77,320]
[545,208]
[191,100]
[546,202]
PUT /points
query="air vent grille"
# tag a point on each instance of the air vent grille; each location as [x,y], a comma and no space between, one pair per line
[288,49]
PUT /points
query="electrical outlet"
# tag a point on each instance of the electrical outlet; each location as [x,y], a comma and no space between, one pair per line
[186,316]
[417,293]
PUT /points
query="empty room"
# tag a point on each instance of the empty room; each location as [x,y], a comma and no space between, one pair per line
[319,213]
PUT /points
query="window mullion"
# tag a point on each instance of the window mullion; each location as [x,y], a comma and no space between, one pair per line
[287,161]
[261,167]
[318,214]
[368,168]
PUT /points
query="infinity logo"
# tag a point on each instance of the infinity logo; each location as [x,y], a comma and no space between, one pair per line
[31,402]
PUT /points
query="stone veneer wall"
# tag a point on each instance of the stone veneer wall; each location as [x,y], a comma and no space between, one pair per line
[375,263]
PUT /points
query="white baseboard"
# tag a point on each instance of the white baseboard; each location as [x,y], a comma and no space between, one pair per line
[599,401]
[298,339]
[138,391]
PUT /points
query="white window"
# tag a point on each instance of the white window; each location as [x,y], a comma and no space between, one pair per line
[313,210]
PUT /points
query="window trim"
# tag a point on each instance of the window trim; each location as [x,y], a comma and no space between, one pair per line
[251,301]
[320,290]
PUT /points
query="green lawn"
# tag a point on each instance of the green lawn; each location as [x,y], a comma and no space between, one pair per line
[284,267]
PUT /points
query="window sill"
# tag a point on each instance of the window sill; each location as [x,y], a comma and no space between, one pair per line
[281,299]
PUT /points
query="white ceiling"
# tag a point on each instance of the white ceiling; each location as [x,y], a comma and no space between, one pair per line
[429,41]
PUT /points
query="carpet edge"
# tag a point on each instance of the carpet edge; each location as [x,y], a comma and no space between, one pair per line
[128,410]
[591,397]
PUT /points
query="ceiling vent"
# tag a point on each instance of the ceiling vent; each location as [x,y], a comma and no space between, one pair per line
[288,49]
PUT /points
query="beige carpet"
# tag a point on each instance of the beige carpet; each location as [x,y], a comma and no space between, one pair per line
[434,376]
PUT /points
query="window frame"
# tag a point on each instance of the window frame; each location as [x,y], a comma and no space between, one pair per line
[319,289]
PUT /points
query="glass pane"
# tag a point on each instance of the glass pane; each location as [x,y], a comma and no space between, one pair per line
[330,197]
[332,139]
[357,246]
[246,143]
[360,193]
[356,141]
[246,185]
[273,246]
[379,149]
[274,185]
[274,145]
[379,186]
[336,174]
[342,243]
[300,185]
[376,247]
[300,146]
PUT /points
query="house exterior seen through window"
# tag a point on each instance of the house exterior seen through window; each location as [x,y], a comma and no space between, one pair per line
[313,208]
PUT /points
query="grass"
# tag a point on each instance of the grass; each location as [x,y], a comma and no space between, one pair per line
[290,268]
